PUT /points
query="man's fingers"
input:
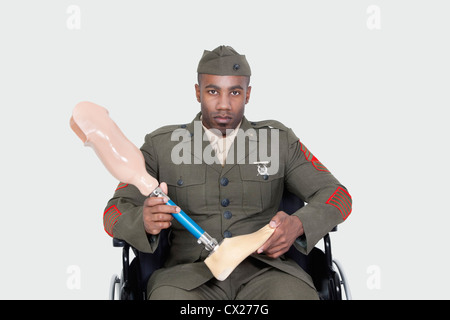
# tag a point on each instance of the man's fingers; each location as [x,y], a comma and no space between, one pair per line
[153,223]
[272,247]
[161,217]
[266,244]
[157,214]
[166,209]
[153,201]
[158,226]
[274,223]
[157,204]
[272,252]
[261,249]
[162,225]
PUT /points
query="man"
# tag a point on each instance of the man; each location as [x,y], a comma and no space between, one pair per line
[228,191]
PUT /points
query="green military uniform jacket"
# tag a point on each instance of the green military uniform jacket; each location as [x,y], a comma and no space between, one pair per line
[227,200]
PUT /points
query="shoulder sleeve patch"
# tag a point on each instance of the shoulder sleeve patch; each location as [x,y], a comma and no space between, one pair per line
[121,186]
[311,158]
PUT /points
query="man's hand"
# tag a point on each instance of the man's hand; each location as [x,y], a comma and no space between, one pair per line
[287,229]
[156,214]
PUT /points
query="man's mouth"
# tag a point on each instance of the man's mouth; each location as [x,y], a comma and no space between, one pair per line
[222,119]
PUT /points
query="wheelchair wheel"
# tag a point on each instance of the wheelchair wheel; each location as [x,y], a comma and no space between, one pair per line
[343,279]
[115,284]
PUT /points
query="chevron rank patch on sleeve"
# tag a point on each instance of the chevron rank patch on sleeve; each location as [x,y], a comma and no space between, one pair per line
[342,200]
[110,217]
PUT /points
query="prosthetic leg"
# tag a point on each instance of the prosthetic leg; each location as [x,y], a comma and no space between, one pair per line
[126,163]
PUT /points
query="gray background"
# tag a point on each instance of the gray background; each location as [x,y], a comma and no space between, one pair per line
[370,104]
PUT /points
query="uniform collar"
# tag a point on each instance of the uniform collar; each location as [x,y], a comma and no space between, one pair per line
[196,133]
[245,126]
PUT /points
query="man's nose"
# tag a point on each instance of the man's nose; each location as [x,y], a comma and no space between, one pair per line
[224,103]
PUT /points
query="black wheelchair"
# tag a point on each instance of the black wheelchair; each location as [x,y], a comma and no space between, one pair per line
[320,265]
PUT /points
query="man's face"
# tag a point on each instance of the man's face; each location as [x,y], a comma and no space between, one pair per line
[223,100]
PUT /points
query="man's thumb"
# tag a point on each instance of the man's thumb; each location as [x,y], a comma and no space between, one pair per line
[276,220]
[163,187]
[274,223]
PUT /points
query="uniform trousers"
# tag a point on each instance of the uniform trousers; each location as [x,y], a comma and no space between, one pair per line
[251,280]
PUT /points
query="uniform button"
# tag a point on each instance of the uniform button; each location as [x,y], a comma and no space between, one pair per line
[227,234]
[225,202]
[266,177]
[183,126]
[224,181]
[227,214]
[180,182]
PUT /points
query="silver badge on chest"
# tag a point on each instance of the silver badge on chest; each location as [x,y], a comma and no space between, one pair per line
[262,168]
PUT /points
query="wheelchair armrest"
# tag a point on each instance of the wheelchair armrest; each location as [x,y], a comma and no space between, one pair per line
[135,273]
[118,243]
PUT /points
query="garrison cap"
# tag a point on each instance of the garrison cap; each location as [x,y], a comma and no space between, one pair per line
[224,61]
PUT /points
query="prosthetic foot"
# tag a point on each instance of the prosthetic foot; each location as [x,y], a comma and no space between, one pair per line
[232,251]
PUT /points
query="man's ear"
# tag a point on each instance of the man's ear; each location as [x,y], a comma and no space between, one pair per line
[197,92]
[247,95]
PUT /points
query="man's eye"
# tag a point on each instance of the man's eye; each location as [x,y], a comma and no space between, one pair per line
[212,92]
[235,93]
